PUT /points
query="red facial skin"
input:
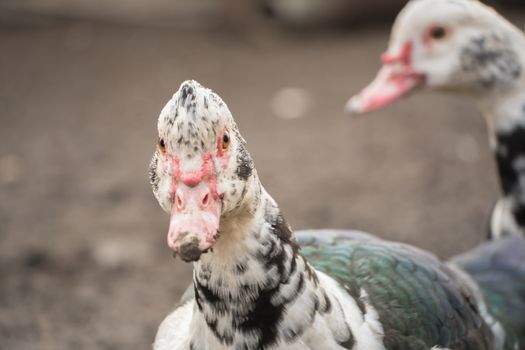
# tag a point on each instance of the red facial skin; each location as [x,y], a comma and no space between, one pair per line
[403,57]
[196,203]
[192,178]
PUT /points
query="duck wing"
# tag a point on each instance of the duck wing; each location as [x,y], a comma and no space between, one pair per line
[420,301]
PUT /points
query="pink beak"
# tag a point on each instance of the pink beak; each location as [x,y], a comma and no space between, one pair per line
[194,222]
[387,87]
[395,80]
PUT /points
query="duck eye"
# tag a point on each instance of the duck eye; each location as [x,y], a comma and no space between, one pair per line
[438,32]
[225,141]
[162,145]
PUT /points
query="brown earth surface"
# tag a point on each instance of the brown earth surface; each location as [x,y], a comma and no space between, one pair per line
[83,259]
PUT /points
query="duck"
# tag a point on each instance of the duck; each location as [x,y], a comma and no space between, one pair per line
[464,48]
[258,285]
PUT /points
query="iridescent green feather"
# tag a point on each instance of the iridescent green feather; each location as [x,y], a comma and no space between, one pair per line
[420,302]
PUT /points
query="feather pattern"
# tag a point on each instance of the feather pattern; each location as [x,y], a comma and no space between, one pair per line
[419,301]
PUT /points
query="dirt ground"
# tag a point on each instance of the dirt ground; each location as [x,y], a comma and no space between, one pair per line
[83,259]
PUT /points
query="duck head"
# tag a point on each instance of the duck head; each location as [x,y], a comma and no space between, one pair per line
[201,170]
[453,45]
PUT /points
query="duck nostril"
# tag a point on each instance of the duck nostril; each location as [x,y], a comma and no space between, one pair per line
[178,201]
[206,200]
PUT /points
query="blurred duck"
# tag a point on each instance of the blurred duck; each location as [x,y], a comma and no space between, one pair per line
[257,285]
[465,48]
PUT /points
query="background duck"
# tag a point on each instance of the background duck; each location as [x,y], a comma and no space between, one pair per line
[256,287]
[463,47]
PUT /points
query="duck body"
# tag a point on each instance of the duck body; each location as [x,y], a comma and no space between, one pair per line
[385,295]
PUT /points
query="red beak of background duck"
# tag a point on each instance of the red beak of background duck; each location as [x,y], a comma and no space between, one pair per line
[194,222]
[390,84]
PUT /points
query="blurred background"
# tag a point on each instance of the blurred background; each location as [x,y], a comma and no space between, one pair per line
[83,259]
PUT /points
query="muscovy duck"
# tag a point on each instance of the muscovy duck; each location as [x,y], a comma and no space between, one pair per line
[256,285]
[463,47]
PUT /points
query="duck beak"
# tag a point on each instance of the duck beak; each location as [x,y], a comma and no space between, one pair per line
[194,221]
[390,84]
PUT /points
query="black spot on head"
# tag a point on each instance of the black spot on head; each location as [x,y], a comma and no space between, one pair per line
[244,164]
[186,90]
[244,168]
[171,118]
[491,60]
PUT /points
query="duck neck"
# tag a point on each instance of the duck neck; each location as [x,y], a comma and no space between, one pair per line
[506,118]
[247,289]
